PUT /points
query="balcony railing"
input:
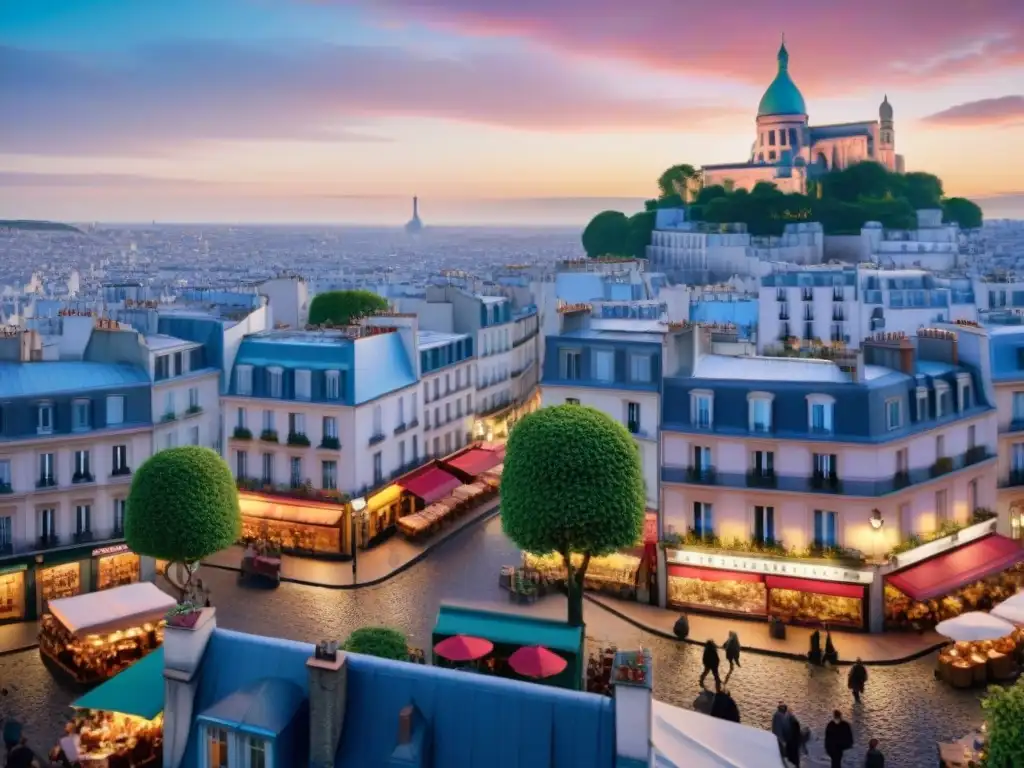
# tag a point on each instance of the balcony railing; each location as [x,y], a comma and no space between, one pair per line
[6,488]
[242,433]
[817,483]
[1014,479]
[120,471]
[298,439]
[82,477]
[268,435]
[47,481]
[377,438]
[83,537]
[330,443]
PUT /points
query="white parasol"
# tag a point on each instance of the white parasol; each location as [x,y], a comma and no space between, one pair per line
[1011,609]
[974,627]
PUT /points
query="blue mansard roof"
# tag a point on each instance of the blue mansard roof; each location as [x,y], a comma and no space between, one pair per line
[588,343]
[40,379]
[476,721]
[1006,353]
[859,415]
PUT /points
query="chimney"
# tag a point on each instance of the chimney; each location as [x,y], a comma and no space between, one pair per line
[183,659]
[328,687]
[633,678]
[938,346]
[890,350]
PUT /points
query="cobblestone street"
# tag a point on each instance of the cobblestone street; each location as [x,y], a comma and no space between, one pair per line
[904,706]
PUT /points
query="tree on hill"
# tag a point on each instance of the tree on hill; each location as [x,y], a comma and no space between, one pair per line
[382,642]
[182,507]
[606,234]
[572,484]
[676,180]
[962,211]
[641,225]
[342,307]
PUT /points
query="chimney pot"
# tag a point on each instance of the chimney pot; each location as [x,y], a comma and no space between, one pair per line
[405,723]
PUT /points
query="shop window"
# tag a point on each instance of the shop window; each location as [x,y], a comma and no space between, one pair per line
[241,464]
[118,570]
[59,581]
[295,473]
[378,468]
[115,410]
[633,418]
[332,383]
[703,519]
[329,475]
[44,419]
[825,536]
[268,469]
[604,365]
[893,414]
[12,595]
[275,378]
[764,525]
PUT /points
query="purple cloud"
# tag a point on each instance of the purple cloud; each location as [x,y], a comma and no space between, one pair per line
[1005,110]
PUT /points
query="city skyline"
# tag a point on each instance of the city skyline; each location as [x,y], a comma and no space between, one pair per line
[291,111]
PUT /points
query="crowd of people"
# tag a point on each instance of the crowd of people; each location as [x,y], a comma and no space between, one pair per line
[792,735]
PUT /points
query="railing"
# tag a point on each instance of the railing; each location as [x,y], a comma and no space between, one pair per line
[80,478]
[242,433]
[1014,479]
[330,443]
[46,482]
[376,439]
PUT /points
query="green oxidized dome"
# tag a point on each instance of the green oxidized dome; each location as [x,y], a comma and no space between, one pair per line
[782,96]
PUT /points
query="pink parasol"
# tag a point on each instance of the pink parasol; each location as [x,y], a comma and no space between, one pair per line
[463,648]
[537,661]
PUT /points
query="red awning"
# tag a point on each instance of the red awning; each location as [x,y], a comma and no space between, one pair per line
[712,574]
[952,570]
[832,588]
[475,461]
[430,484]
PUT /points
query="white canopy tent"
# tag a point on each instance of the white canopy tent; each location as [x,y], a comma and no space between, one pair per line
[974,626]
[686,739]
[99,613]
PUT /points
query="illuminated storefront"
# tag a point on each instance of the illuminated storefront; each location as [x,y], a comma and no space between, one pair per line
[616,574]
[56,581]
[382,512]
[295,525]
[494,427]
[12,593]
[116,566]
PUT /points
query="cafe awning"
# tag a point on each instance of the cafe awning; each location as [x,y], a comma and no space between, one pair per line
[430,484]
[110,610]
[951,570]
[137,691]
[831,588]
[475,461]
[290,510]
[712,574]
[383,498]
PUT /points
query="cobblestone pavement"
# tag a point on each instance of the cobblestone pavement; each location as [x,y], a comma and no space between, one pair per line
[904,706]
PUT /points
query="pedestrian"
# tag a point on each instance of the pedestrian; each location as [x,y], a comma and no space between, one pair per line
[814,654]
[710,660]
[732,651]
[794,740]
[723,706]
[831,655]
[838,738]
[857,679]
[874,757]
[22,756]
[12,733]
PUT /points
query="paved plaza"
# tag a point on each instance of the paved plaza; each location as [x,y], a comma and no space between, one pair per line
[904,705]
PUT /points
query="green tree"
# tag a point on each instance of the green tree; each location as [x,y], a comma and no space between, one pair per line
[1004,713]
[961,210]
[707,194]
[606,234]
[572,484]
[342,307]
[641,225]
[922,190]
[867,179]
[182,507]
[382,642]
[676,180]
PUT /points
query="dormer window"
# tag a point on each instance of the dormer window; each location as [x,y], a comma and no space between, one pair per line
[922,404]
[759,411]
[274,381]
[821,414]
[702,409]
[893,414]
[332,384]
[604,365]
[243,379]
[964,393]
[303,384]
[80,415]
[44,419]
[943,404]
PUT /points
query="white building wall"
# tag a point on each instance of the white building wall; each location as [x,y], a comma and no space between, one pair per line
[174,397]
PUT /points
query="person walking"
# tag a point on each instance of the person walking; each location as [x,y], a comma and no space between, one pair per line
[732,651]
[723,706]
[857,679]
[874,758]
[780,725]
[794,741]
[814,654]
[838,738]
[710,660]
[22,756]
[831,654]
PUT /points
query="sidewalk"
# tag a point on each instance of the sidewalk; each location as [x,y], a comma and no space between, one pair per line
[880,649]
[374,566]
[15,638]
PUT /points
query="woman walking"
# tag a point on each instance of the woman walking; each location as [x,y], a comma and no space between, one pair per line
[732,651]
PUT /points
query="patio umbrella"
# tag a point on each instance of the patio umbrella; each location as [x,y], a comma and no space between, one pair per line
[463,648]
[974,626]
[536,661]
[1011,611]
[1015,600]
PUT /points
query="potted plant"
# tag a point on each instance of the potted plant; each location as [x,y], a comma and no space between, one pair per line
[184,615]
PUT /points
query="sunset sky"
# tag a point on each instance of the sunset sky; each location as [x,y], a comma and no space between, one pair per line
[504,111]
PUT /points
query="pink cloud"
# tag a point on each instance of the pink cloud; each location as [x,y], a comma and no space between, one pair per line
[832,44]
[1004,111]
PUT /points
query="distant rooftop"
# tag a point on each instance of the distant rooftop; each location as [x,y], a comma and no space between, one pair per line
[778,369]
[640,337]
[159,342]
[431,339]
[48,378]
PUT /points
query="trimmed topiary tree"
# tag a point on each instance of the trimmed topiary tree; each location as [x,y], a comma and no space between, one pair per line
[182,507]
[382,642]
[572,483]
[1004,715]
[342,307]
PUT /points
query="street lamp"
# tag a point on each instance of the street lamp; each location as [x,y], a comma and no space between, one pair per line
[877,521]
[358,506]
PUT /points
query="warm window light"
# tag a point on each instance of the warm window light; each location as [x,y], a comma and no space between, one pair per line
[876,520]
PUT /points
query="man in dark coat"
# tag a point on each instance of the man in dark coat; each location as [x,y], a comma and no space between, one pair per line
[838,738]
[724,707]
[732,650]
[710,660]
[795,742]
[856,680]
[874,757]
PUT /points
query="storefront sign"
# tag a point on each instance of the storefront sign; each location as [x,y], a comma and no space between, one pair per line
[115,549]
[13,569]
[932,548]
[773,567]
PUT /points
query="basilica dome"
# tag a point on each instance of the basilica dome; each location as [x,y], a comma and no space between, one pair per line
[782,96]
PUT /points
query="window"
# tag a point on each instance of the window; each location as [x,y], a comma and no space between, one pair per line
[940,446]
[966,397]
[378,468]
[120,506]
[268,469]
[437,446]
[701,459]
[296,423]
[119,459]
[759,413]
[412,407]
[572,401]
[82,473]
[171,440]
[5,474]
[437,388]
[763,463]
[193,398]
[701,410]
[1017,458]
[48,523]
[941,506]
[772,155]
[47,469]
[821,414]
[571,365]
[764,525]
[329,475]
[193,435]
[902,461]
[972,436]
[83,519]
[332,383]
[972,495]
[447,412]
[169,404]
[824,464]
[415,448]
[401,411]
[303,384]
[274,382]
[115,410]
[241,464]
[178,364]
[640,369]
[330,426]
[941,399]
[1018,407]
[216,748]
[893,415]
[458,409]
[6,532]
[240,418]
[257,753]
[825,530]
[378,420]
[448,443]
[604,365]
[922,404]
[771,138]
[782,137]
[703,519]
[633,418]
[295,471]
[44,419]
[162,368]
[426,392]
[401,453]
[243,379]
[268,421]
[426,418]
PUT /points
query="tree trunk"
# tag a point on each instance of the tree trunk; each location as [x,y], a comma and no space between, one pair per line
[574,589]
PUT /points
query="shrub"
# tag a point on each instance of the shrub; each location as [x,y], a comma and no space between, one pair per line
[1004,713]
[342,307]
[383,642]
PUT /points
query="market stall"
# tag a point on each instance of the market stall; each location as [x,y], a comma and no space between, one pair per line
[984,650]
[615,574]
[293,525]
[94,636]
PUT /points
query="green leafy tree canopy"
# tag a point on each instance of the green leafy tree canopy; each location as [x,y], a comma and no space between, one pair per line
[1004,715]
[961,210]
[572,483]
[382,642]
[676,180]
[606,234]
[342,307]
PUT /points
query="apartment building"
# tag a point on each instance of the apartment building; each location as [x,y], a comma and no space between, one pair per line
[1006,379]
[446,373]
